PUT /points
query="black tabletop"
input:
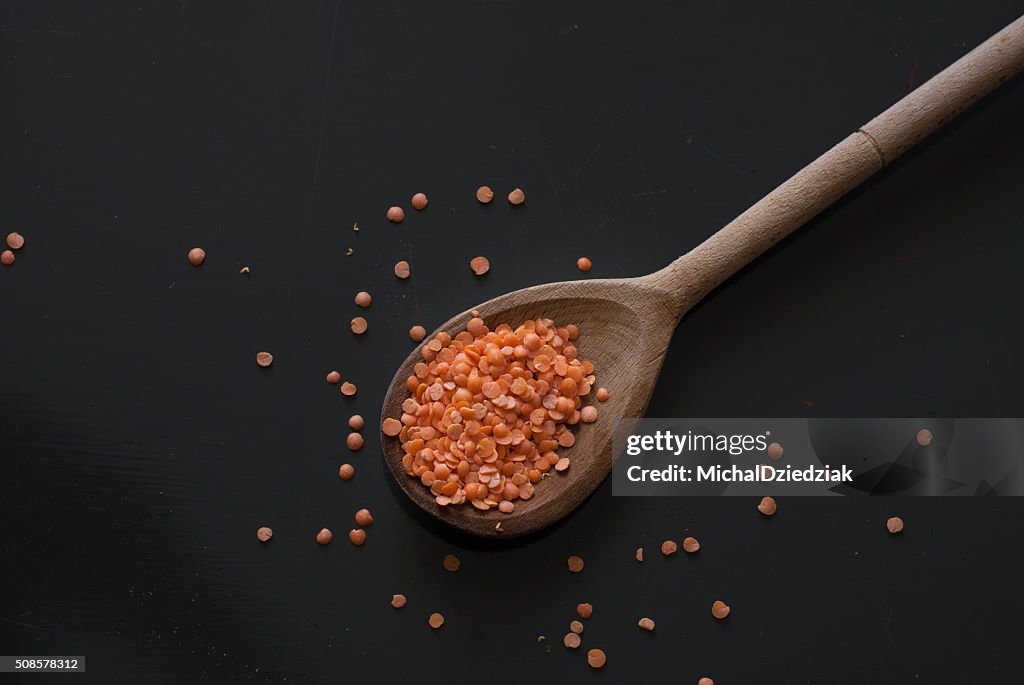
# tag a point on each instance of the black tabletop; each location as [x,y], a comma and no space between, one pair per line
[143,447]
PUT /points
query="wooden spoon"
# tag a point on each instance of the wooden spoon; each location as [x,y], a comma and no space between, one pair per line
[626,323]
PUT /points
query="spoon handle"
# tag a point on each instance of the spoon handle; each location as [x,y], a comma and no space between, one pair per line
[844,167]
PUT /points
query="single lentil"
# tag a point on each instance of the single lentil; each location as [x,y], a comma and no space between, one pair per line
[596,658]
[264,534]
[767,506]
[720,609]
[480,265]
[324,536]
[357,536]
[364,518]
[576,627]
[583,264]
[484,194]
[359,325]
[346,471]
[571,640]
[419,201]
[646,624]
[363,299]
[264,359]
[575,564]
[398,601]
[356,422]
[588,414]
[602,395]
[705,681]
[775,451]
[640,554]
[402,269]
[669,547]
[417,333]
[391,427]
[585,610]
[894,525]
[15,240]
[924,437]
[436,620]
[690,545]
[517,197]
[348,389]
[7,258]
[451,563]
[196,256]
[354,442]
[333,377]
[396,214]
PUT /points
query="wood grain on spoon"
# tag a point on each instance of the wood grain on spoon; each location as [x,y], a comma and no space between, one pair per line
[626,324]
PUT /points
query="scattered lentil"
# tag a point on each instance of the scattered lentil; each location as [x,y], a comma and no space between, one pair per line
[583,264]
[669,547]
[690,545]
[720,609]
[562,464]
[419,201]
[451,563]
[359,325]
[575,564]
[15,240]
[571,640]
[7,258]
[324,536]
[398,601]
[396,214]
[895,525]
[646,624]
[264,534]
[417,333]
[363,299]
[576,627]
[357,536]
[924,437]
[767,506]
[775,451]
[585,610]
[705,681]
[348,389]
[436,620]
[346,471]
[484,194]
[517,197]
[602,395]
[640,554]
[264,359]
[402,269]
[363,518]
[333,377]
[196,256]
[488,410]
[354,442]
[588,414]
[480,265]
[596,658]
[356,422]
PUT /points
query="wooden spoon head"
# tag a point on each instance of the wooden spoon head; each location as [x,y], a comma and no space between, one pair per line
[625,327]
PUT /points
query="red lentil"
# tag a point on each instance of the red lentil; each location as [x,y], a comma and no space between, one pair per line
[7,258]
[705,681]
[576,627]
[264,359]
[363,299]
[484,194]
[583,264]
[767,506]
[669,547]
[402,269]
[924,437]
[391,427]
[436,620]
[356,422]
[398,601]
[602,395]
[346,471]
[775,451]
[517,197]
[264,534]
[333,377]
[480,265]
[15,240]
[396,214]
[357,536]
[720,609]
[324,536]
[894,525]
[359,325]
[354,442]
[451,563]
[196,256]
[640,554]
[571,640]
[596,658]
[417,333]
[585,610]
[348,389]
[419,201]
[690,545]
[588,414]
[646,624]
[575,564]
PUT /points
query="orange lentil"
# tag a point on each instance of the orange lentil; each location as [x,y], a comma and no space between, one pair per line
[333,377]
[924,437]
[264,534]
[7,258]
[398,601]
[356,422]
[576,627]
[596,658]
[396,214]
[480,265]
[488,411]
[436,620]
[357,536]
[363,518]
[391,427]
[363,299]
[767,506]
[359,325]
[690,545]
[196,256]
[419,201]
[669,547]
[602,394]
[324,536]
[354,442]
[517,197]
[402,269]
[588,414]
[585,610]
[264,359]
[484,194]
[640,554]
[15,240]
[720,609]
[894,525]
[705,681]
[348,389]
[451,563]
[583,264]
[775,451]
[646,624]
[571,640]
[346,471]
[562,464]
[417,333]
[575,564]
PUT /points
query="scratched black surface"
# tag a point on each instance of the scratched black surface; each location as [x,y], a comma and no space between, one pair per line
[142,447]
